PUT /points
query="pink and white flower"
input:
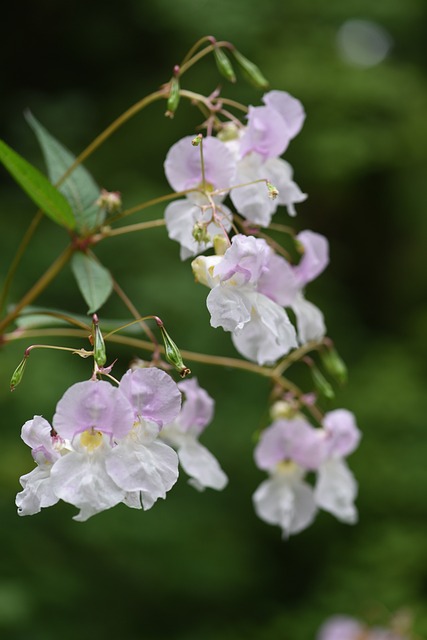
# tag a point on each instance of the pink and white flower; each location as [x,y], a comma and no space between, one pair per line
[106,449]
[288,450]
[194,222]
[261,330]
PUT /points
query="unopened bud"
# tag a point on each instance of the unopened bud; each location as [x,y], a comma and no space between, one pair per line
[197,140]
[334,364]
[224,65]
[174,97]
[282,409]
[110,201]
[99,351]
[321,384]
[200,233]
[272,191]
[173,354]
[229,131]
[18,373]
[250,70]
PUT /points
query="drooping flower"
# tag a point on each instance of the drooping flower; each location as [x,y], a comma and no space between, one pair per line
[285,499]
[90,415]
[261,330]
[289,449]
[105,449]
[183,434]
[194,221]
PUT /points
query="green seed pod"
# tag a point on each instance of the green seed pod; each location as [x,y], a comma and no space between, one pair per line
[334,364]
[99,351]
[18,373]
[321,384]
[174,97]
[172,353]
[251,71]
[224,65]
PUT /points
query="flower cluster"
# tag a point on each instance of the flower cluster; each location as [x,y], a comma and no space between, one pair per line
[107,445]
[240,160]
[124,444]
[289,449]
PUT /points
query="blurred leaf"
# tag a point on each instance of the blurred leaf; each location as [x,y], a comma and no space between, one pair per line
[79,188]
[94,281]
[37,187]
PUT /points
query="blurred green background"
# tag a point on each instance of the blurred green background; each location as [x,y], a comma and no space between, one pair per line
[202,566]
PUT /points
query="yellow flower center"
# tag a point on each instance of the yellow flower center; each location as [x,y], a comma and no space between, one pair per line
[91,439]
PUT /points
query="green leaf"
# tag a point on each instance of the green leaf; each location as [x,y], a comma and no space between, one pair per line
[79,188]
[37,187]
[94,281]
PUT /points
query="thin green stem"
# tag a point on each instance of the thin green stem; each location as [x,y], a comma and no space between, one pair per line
[38,287]
[139,226]
[194,49]
[18,256]
[296,355]
[150,203]
[198,56]
[202,164]
[124,117]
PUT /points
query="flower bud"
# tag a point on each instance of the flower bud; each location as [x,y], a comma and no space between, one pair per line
[172,353]
[250,70]
[18,373]
[174,97]
[99,351]
[282,409]
[110,201]
[224,65]
[321,384]
[197,140]
[334,364]
[200,233]
[272,191]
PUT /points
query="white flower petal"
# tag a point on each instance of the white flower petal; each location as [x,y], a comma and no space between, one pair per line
[149,468]
[310,320]
[285,501]
[82,480]
[336,490]
[201,465]
[37,491]
[268,336]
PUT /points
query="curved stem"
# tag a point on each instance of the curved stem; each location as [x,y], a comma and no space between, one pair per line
[194,49]
[99,140]
[18,256]
[38,287]
[296,355]
[139,226]
[150,203]
[198,56]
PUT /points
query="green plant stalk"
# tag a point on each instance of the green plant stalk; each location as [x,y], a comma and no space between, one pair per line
[38,287]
